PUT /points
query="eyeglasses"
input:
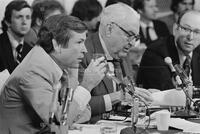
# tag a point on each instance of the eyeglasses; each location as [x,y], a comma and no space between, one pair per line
[196,33]
[131,37]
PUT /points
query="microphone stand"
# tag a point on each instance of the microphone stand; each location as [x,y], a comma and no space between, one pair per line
[187,87]
[66,95]
[130,89]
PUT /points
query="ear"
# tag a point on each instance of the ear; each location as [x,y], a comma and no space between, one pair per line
[175,28]
[55,45]
[109,30]
[38,22]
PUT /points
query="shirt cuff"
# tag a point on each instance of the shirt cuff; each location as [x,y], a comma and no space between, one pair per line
[82,97]
[108,103]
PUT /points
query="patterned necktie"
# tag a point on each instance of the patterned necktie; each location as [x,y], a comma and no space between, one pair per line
[186,65]
[19,53]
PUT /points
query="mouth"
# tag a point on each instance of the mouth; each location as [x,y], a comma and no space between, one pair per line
[126,49]
[188,44]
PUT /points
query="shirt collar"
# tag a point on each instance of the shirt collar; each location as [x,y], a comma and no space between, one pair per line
[108,56]
[13,41]
[144,25]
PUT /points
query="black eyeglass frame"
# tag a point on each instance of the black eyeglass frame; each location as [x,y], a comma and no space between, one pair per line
[130,36]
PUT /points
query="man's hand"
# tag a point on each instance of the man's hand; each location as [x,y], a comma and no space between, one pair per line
[144,94]
[94,73]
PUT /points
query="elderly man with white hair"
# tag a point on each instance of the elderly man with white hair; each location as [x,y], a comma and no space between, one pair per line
[118,32]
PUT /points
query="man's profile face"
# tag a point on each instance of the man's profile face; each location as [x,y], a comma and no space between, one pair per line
[20,21]
[188,32]
[73,52]
[122,38]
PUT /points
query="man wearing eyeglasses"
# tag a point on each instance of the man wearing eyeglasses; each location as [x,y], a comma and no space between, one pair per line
[118,31]
[182,48]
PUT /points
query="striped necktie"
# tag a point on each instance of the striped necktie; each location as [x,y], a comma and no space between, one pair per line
[19,49]
[186,65]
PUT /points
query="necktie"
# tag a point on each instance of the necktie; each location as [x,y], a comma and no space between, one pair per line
[148,38]
[64,85]
[186,65]
[19,53]
[118,73]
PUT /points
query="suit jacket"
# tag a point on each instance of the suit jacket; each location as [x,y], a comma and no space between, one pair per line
[155,73]
[97,103]
[6,55]
[169,21]
[27,95]
[160,29]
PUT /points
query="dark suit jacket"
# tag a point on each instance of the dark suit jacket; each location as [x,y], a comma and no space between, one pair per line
[97,104]
[155,73]
[160,29]
[6,55]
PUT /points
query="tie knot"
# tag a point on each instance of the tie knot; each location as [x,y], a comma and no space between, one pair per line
[19,48]
[64,76]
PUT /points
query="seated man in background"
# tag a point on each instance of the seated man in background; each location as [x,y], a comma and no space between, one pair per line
[27,97]
[88,11]
[41,11]
[177,7]
[16,24]
[151,29]
[182,48]
[118,31]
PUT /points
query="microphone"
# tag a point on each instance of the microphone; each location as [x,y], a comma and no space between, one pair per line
[176,77]
[183,76]
[53,106]
[123,86]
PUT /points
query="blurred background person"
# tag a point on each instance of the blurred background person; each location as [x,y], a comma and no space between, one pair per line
[41,11]
[88,11]
[151,29]
[177,7]
[16,24]
[128,2]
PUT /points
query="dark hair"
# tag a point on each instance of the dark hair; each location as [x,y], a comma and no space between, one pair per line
[86,9]
[138,4]
[181,16]
[13,5]
[59,27]
[41,9]
[174,4]
[128,2]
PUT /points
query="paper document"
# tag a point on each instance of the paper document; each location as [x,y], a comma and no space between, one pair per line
[172,97]
[186,126]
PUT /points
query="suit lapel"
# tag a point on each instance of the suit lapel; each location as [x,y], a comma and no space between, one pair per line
[8,54]
[99,49]
[195,66]
[172,50]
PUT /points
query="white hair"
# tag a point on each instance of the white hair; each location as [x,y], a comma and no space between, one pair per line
[119,13]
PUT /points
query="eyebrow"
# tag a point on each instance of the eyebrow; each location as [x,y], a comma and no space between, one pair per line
[196,29]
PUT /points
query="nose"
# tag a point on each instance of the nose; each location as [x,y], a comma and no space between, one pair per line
[84,49]
[190,35]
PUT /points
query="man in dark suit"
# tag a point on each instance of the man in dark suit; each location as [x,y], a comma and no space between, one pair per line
[154,72]
[115,37]
[151,29]
[16,24]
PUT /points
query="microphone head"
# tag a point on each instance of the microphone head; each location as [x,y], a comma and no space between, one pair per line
[168,60]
